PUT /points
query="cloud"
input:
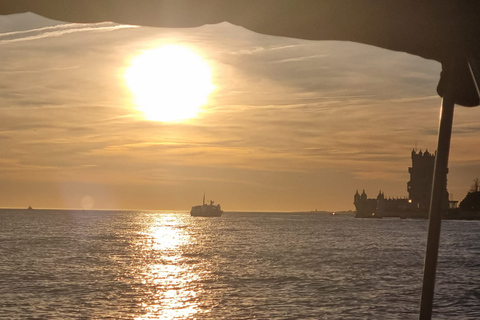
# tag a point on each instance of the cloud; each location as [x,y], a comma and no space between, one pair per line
[58,31]
[304,116]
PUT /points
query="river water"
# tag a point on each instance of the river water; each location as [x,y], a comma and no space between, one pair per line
[168,265]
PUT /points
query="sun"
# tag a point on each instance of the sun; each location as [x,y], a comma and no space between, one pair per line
[169,83]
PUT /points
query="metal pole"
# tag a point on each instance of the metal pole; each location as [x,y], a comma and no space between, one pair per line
[437,203]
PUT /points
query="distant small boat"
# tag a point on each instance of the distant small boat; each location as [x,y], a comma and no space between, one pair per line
[206,210]
[29,208]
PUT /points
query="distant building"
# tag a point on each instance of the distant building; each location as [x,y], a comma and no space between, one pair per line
[469,208]
[419,189]
[366,208]
[421,176]
[471,202]
[381,207]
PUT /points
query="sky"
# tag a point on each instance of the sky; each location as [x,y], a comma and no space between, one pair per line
[291,125]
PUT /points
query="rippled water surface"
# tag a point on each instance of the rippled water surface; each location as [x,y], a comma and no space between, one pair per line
[161,265]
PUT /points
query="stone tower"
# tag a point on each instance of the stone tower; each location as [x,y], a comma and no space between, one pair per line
[421,175]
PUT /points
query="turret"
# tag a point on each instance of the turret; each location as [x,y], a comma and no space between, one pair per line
[381,195]
[356,197]
[364,195]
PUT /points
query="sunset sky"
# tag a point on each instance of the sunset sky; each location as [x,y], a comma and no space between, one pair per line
[289,125]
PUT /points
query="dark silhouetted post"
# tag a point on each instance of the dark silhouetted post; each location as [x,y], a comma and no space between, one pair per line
[437,202]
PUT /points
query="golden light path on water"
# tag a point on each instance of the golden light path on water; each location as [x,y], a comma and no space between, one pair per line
[169,291]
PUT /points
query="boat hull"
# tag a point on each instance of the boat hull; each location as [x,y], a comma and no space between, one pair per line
[206,211]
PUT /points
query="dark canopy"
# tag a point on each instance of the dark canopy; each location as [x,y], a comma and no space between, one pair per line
[442,30]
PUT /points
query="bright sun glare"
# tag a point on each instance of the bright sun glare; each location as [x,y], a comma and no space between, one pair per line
[169,83]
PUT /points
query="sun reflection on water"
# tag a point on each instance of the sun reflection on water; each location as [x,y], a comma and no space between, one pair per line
[170,285]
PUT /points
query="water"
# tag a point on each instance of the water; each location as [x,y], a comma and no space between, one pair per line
[160,265]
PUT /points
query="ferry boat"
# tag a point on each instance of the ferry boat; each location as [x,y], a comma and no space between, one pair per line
[206,210]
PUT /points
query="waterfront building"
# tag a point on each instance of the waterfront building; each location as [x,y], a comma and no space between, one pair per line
[419,188]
